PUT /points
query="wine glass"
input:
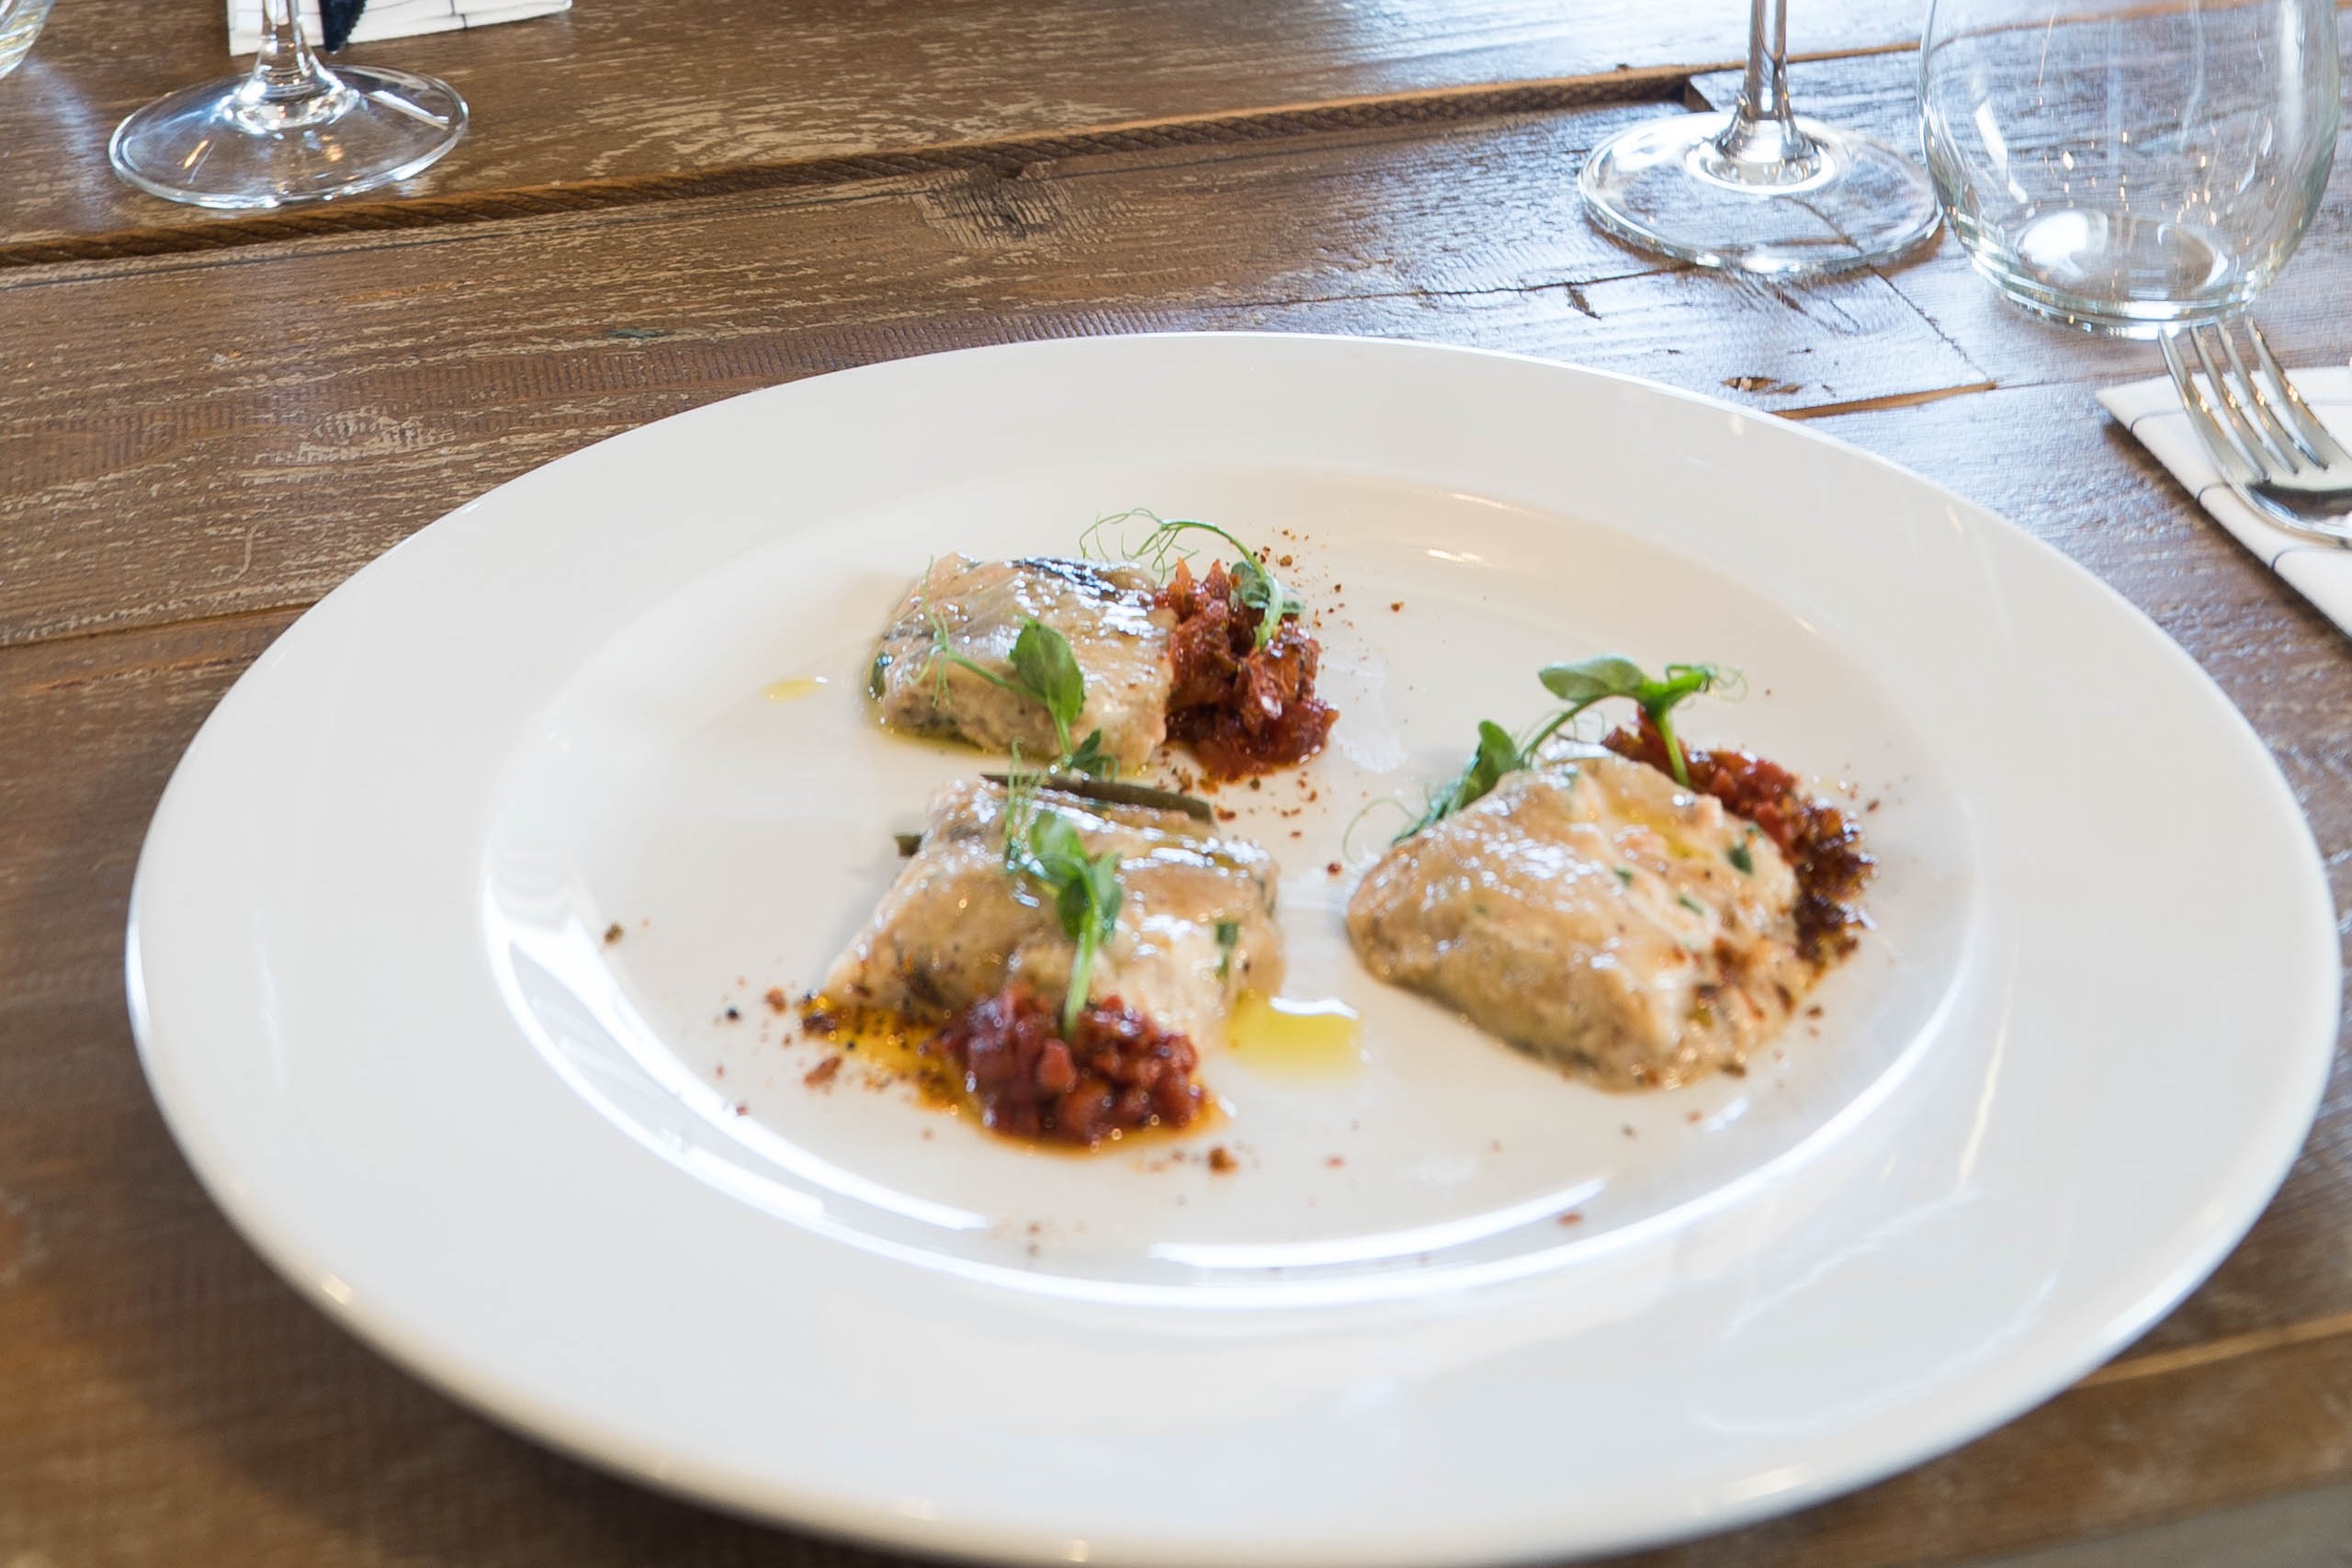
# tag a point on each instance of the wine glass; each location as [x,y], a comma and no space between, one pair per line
[1760,189]
[20,23]
[289,130]
[2129,166]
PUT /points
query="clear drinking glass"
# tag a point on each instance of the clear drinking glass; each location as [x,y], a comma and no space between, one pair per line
[1761,188]
[288,131]
[2127,165]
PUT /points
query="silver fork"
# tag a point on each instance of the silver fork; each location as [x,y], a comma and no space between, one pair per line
[2273,450]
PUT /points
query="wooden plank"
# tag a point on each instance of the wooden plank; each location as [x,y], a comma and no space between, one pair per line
[2100,1458]
[623,89]
[198,436]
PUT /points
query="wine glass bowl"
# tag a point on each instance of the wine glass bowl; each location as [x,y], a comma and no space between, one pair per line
[2127,166]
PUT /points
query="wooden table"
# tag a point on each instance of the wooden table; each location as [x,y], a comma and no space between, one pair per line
[208,422]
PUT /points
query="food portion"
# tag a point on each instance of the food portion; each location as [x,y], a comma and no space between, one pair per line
[1598,914]
[1128,931]
[1090,665]
[1821,844]
[1061,659]
[1645,914]
[1063,941]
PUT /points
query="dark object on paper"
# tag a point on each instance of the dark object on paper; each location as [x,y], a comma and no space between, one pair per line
[337,18]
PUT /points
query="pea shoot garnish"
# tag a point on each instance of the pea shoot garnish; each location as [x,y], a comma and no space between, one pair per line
[1579,686]
[1042,846]
[1612,675]
[1043,671]
[1160,549]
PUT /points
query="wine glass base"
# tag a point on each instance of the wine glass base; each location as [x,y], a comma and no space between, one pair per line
[219,144]
[1664,186]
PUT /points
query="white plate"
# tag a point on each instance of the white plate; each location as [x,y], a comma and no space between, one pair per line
[369,976]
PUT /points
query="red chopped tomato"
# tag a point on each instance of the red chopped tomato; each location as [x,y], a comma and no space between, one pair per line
[1243,709]
[1119,1074]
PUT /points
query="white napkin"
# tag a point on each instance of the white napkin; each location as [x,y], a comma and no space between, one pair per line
[2319,572]
[391,18]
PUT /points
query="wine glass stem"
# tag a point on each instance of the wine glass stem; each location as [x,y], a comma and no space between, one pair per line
[286,75]
[1762,139]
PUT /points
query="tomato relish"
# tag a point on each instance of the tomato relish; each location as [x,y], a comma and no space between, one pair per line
[1242,708]
[1821,846]
[1116,1072]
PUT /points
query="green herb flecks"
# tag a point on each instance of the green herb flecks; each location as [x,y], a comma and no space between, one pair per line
[1578,686]
[1254,585]
[1741,860]
[1229,937]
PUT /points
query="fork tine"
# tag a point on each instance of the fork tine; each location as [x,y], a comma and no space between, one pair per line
[2282,435]
[2267,458]
[2220,443]
[2316,438]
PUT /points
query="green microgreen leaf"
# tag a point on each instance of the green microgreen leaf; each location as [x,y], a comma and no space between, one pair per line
[1090,758]
[1740,858]
[1610,675]
[1578,686]
[1048,671]
[1084,889]
[1497,755]
[1043,669]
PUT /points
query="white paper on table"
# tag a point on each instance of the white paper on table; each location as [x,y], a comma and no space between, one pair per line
[2319,572]
[392,19]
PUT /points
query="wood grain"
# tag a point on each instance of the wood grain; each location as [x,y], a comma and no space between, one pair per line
[614,91]
[193,446]
[206,435]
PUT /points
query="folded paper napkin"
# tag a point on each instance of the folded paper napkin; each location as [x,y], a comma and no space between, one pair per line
[2319,572]
[382,18]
